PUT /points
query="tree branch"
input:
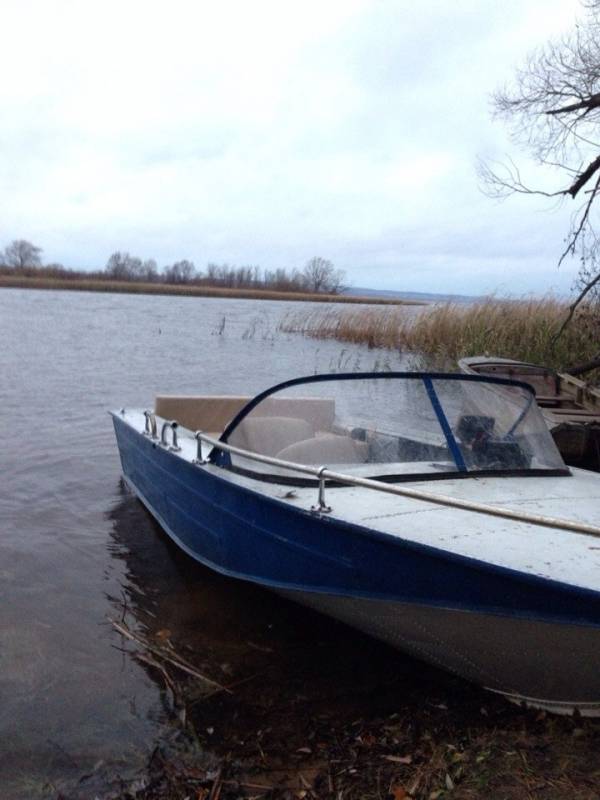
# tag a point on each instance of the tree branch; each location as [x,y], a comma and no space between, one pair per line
[588,366]
[573,307]
[584,176]
[582,223]
[589,103]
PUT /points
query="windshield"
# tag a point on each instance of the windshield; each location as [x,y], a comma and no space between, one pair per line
[396,425]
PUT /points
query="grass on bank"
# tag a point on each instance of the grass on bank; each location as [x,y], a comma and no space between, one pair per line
[187,290]
[519,329]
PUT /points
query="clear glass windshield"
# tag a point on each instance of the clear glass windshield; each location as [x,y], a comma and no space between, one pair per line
[395,425]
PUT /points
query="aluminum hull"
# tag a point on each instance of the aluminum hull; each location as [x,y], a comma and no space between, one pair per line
[530,638]
[498,652]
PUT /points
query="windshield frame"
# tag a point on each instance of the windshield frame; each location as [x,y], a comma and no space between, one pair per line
[222,458]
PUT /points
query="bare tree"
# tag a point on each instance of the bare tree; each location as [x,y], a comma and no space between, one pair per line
[149,270]
[319,275]
[123,267]
[553,108]
[21,254]
[182,271]
[283,281]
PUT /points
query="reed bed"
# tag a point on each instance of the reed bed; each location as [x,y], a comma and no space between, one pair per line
[520,329]
[136,287]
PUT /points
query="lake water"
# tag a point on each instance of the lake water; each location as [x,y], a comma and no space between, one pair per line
[76,549]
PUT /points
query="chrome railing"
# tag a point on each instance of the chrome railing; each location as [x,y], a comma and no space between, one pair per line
[323,474]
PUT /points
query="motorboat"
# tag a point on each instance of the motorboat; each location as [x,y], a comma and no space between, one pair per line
[430,510]
[569,405]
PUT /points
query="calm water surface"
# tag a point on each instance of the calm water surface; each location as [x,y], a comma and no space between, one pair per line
[75,547]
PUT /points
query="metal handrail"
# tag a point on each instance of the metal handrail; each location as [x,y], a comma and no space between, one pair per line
[323,474]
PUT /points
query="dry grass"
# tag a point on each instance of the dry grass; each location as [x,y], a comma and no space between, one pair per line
[131,287]
[520,329]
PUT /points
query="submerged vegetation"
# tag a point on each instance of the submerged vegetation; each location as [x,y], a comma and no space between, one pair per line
[520,329]
[312,710]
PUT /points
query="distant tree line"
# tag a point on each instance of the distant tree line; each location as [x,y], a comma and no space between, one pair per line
[318,275]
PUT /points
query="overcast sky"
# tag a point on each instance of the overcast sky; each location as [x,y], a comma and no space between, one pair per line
[269,132]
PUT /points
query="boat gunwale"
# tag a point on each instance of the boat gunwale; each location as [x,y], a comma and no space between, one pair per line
[476,361]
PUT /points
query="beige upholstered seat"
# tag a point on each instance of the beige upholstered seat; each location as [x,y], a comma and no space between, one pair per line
[200,413]
[329,449]
[269,435]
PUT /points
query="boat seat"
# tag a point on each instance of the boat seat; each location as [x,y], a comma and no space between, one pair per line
[326,449]
[212,413]
[200,413]
[270,435]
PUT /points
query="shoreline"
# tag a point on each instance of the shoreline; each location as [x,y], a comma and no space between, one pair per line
[129,287]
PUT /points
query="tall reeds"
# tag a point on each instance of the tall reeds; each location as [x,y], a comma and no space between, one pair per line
[520,329]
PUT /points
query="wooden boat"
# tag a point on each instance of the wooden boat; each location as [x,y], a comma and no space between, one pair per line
[432,511]
[570,407]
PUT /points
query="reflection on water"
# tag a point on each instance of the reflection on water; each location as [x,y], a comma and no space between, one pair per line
[74,547]
[166,594]
[292,671]
[222,622]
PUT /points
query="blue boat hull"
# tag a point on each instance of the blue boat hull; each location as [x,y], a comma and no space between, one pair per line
[481,621]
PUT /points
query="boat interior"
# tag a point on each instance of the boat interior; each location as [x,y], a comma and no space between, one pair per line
[300,429]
